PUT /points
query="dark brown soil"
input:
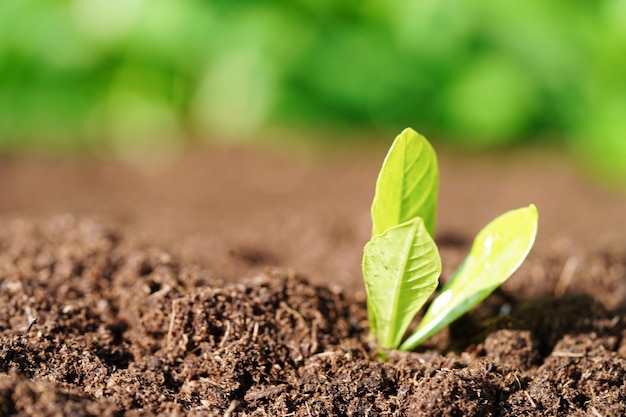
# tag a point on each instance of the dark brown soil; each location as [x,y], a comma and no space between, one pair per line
[95,319]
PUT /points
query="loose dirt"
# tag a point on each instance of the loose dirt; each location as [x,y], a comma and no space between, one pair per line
[227,284]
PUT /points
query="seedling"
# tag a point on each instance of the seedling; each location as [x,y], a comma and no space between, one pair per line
[401,263]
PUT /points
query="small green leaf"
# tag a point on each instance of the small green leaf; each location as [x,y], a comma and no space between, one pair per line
[401,268]
[496,253]
[407,185]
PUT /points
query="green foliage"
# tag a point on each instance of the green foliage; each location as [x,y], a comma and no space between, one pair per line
[496,253]
[402,268]
[401,263]
[407,185]
[482,73]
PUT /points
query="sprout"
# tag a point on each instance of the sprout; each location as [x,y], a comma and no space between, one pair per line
[401,263]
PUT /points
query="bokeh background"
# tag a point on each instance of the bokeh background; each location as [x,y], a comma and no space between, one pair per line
[479,74]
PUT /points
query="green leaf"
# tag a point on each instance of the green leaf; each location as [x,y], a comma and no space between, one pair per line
[407,185]
[401,268]
[496,253]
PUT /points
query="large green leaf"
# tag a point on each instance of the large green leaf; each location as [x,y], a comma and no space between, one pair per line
[407,185]
[496,253]
[401,268]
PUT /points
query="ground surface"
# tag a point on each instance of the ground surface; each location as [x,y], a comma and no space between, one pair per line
[226,282]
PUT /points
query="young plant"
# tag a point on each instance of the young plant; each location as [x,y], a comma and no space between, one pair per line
[401,263]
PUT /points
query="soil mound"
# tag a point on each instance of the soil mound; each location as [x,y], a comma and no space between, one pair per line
[93,325]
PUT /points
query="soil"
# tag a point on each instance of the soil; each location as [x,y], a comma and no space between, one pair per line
[226,282]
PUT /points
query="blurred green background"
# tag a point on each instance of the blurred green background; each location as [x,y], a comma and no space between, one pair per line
[478,74]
